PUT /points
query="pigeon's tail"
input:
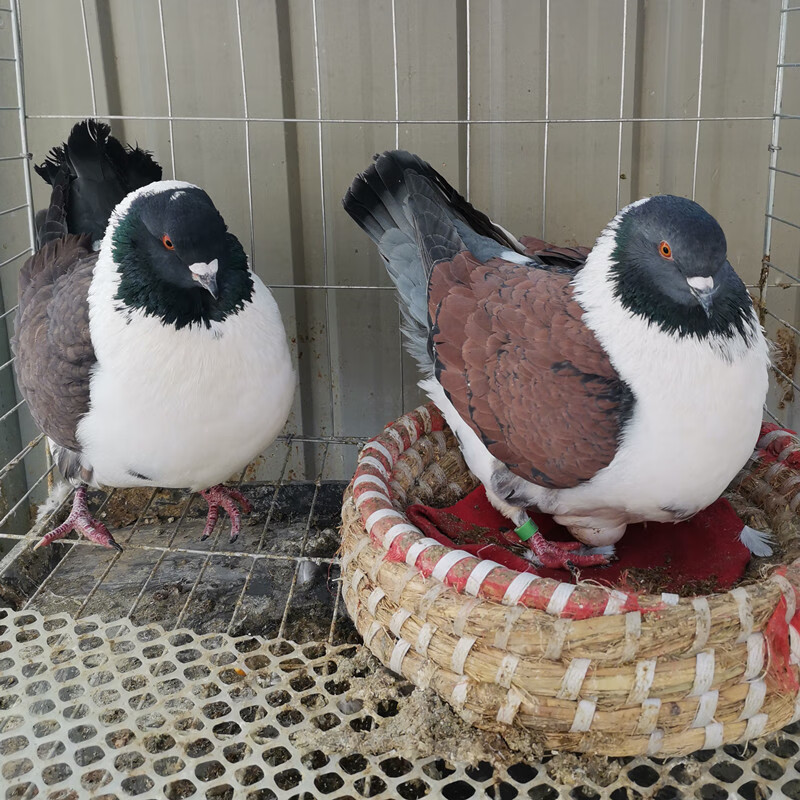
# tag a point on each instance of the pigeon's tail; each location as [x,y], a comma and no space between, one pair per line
[100,171]
[418,219]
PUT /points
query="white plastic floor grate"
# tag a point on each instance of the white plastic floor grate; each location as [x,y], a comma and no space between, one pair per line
[111,710]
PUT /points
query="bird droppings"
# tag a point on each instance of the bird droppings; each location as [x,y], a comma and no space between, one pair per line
[161,530]
[571,769]
[384,714]
[290,717]
[124,507]
[292,591]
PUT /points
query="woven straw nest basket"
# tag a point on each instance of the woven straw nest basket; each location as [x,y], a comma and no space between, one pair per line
[580,667]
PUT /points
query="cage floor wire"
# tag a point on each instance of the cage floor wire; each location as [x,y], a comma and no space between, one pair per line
[279,578]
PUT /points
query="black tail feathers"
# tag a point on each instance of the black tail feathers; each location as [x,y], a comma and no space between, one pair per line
[99,172]
[384,186]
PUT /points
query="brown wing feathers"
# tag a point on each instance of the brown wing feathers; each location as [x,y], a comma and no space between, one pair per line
[523,370]
[572,257]
[506,340]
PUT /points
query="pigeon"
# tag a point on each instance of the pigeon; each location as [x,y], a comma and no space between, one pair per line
[148,351]
[607,387]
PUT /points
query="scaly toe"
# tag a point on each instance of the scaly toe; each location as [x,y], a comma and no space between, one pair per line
[99,534]
[96,532]
[567,546]
[224,497]
[241,500]
[236,522]
[83,522]
[561,555]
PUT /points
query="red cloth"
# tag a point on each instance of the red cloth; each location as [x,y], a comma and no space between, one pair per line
[703,550]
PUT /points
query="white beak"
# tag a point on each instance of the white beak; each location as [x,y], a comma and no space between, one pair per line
[206,275]
[701,284]
[703,289]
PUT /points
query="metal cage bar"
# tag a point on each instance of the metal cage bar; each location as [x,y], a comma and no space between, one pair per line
[396,88]
[546,120]
[774,147]
[408,121]
[170,118]
[323,210]
[89,65]
[23,124]
[246,133]
[699,96]
[623,63]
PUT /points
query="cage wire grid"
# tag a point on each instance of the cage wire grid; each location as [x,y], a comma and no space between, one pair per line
[148,612]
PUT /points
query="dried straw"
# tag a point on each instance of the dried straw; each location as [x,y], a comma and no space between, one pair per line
[584,668]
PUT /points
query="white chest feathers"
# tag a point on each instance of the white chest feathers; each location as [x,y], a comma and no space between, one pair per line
[697,414]
[695,423]
[182,408]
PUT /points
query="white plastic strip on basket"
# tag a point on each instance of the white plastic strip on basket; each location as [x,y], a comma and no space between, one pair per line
[92,709]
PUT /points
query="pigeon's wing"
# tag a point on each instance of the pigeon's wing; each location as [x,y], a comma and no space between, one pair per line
[52,344]
[569,257]
[521,368]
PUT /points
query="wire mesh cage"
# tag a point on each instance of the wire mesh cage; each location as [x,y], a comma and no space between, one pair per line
[549,116]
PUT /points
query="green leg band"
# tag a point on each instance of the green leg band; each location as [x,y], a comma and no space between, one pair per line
[526,530]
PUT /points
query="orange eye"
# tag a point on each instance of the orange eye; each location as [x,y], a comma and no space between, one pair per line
[665,250]
[167,242]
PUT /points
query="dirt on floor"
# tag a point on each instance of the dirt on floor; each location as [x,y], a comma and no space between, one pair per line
[390,716]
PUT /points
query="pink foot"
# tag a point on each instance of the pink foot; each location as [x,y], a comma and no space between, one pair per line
[561,555]
[81,520]
[220,496]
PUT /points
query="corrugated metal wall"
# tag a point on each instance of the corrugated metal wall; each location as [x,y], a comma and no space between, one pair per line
[548,114]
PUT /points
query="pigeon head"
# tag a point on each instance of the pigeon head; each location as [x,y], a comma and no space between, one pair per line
[670,266]
[175,257]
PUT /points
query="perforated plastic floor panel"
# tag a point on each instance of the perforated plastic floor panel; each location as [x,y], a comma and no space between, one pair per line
[111,710]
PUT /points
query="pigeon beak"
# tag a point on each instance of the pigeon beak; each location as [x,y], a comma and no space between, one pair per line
[206,275]
[703,290]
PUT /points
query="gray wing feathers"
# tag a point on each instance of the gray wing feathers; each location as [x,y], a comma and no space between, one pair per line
[69,464]
[412,224]
[482,247]
[52,222]
[410,253]
[404,265]
[52,343]
[437,236]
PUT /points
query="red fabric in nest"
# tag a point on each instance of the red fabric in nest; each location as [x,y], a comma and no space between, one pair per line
[705,549]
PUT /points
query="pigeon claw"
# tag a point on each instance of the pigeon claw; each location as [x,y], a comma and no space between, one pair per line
[83,522]
[224,497]
[562,555]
